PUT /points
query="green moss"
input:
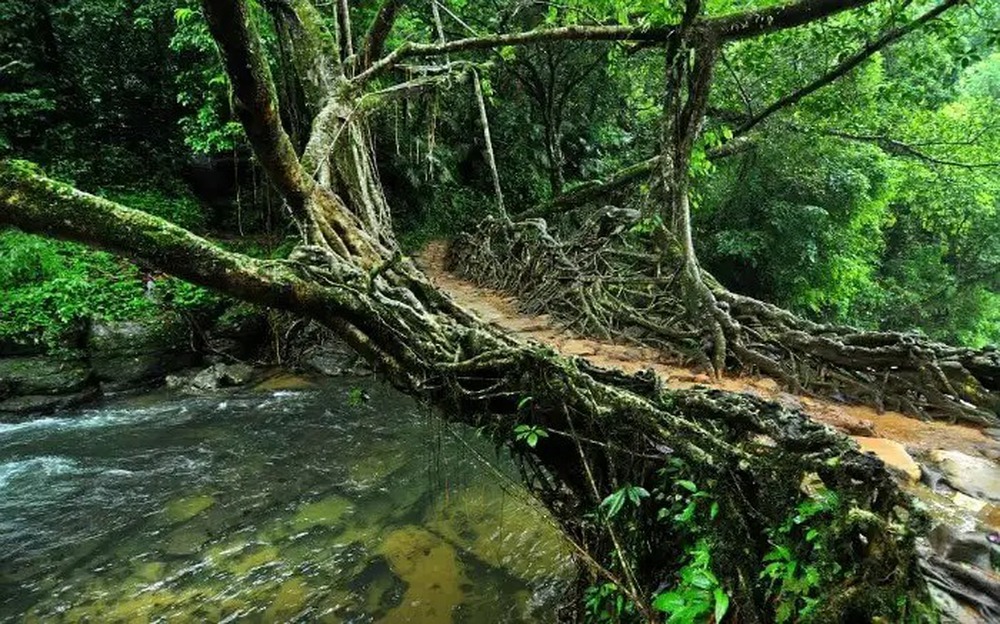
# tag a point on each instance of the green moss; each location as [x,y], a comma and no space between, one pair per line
[432,574]
[325,512]
[183,509]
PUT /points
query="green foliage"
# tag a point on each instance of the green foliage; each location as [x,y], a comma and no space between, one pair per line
[529,434]
[614,502]
[52,289]
[798,566]
[356,397]
[698,593]
[202,86]
[607,604]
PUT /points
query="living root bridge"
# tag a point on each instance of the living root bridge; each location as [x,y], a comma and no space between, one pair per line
[600,282]
[607,431]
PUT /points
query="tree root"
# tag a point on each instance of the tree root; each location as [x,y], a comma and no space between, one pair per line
[598,284]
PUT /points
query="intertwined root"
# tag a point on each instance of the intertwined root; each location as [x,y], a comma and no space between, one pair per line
[600,284]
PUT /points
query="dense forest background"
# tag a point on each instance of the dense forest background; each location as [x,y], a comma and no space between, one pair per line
[874,201]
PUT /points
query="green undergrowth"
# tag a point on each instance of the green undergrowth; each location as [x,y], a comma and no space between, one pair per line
[52,289]
[808,570]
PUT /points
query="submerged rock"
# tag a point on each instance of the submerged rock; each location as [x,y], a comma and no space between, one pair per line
[432,573]
[503,532]
[183,509]
[975,476]
[328,512]
[893,454]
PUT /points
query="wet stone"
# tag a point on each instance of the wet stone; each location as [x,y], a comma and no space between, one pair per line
[974,476]
[893,454]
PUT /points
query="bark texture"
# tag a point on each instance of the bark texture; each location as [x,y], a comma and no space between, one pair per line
[603,281]
[607,431]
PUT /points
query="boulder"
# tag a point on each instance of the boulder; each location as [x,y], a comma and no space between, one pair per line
[222,376]
[21,407]
[893,454]
[39,375]
[129,354]
[965,547]
[976,476]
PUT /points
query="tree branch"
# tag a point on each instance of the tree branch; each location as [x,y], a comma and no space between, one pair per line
[593,189]
[847,65]
[755,23]
[378,33]
[726,28]
[900,148]
[532,37]
[255,101]
[37,204]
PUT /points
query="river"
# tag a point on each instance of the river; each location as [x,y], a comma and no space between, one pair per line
[329,501]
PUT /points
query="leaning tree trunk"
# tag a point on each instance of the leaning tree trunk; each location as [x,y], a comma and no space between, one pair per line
[755,466]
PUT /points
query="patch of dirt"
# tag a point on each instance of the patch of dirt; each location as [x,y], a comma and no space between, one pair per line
[859,420]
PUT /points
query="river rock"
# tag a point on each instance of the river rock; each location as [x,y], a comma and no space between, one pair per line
[222,376]
[975,476]
[127,354]
[963,547]
[23,407]
[42,376]
[893,454]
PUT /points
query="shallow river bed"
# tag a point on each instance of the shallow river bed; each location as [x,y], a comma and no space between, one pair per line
[338,502]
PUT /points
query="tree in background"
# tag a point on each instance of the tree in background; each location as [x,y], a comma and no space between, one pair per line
[679,501]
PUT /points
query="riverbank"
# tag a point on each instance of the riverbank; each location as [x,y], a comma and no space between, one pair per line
[951,468]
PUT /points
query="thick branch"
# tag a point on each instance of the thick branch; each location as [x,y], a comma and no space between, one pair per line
[755,23]
[37,204]
[255,101]
[726,28]
[847,65]
[378,33]
[588,191]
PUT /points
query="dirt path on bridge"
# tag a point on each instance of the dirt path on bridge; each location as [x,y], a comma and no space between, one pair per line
[856,420]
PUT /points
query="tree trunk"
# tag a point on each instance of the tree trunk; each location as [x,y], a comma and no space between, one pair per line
[607,431]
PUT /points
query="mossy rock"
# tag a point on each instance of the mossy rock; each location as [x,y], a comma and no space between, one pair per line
[166,332]
[42,375]
[20,407]
[503,532]
[183,509]
[291,599]
[432,573]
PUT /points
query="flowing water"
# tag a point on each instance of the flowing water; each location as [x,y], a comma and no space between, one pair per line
[338,502]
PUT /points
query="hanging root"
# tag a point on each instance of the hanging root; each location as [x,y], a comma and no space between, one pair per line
[751,491]
[600,283]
